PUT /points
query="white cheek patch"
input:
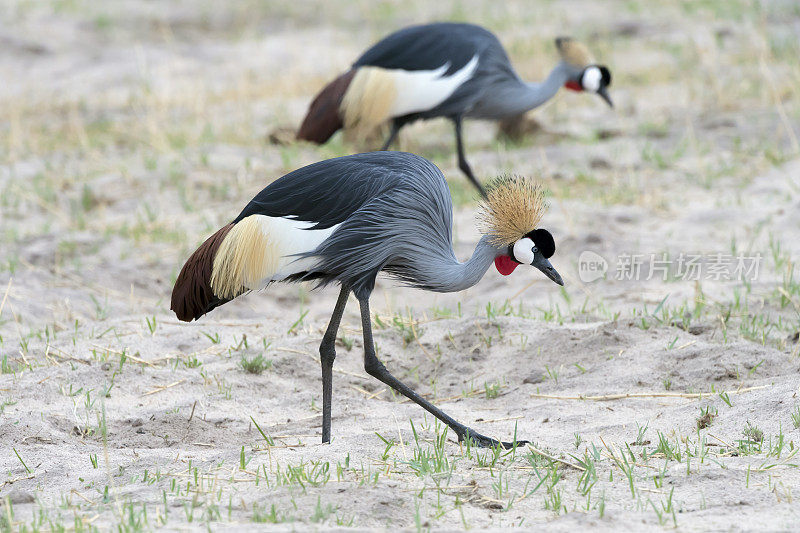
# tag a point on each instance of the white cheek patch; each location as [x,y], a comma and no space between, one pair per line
[523,251]
[591,79]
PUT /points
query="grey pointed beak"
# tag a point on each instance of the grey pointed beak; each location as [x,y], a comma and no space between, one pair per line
[603,92]
[547,269]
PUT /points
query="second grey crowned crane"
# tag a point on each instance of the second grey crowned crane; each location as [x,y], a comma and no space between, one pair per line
[343,221]
[442,70]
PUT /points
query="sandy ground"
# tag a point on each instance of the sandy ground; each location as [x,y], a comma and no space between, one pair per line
[131,130]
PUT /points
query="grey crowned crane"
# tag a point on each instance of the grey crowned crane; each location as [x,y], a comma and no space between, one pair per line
[442,70]
[343,221]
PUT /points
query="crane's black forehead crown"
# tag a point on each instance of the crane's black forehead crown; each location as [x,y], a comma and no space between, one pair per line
[606,75]
[544,241]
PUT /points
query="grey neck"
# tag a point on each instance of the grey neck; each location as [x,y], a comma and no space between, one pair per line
[515,96]
[455,276]
[539,93]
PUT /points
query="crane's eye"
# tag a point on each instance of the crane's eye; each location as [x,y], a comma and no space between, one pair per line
[535,250]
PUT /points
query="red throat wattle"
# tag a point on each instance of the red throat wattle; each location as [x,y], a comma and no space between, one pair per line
[573,86]
[505,265]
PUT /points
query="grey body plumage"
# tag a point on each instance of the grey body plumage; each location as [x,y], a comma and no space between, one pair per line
[378,211]
[395,215]
[492,90]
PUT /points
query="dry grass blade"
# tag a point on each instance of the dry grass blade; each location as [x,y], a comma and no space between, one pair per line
[546,455]
[165,387]
[5,296]
[627,395]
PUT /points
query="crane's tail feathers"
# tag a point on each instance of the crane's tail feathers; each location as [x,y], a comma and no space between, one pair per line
[237,258]
[243,256]
[246,257]
[369,100]
[359,101]
[192,296]
[323,118]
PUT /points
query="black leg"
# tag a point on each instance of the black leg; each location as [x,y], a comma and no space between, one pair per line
[376,369]
[392,136]
[327,353]
[462,160]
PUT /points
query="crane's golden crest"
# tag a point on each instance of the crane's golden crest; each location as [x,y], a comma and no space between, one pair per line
[513,208]
[573,52]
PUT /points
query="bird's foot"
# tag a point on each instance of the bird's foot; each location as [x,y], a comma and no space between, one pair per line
[482,441]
